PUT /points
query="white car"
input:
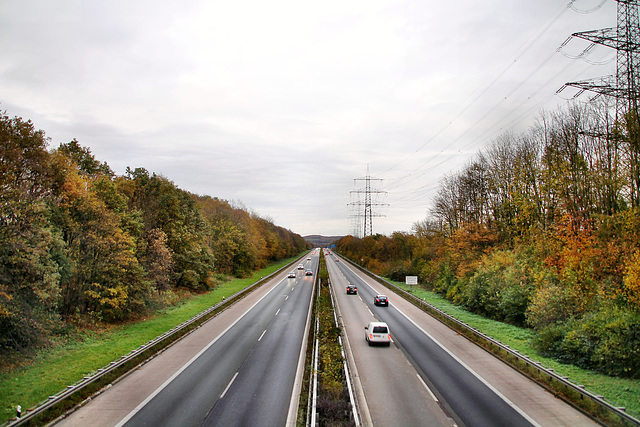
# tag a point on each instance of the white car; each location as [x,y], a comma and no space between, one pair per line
[292,275]
[377,333]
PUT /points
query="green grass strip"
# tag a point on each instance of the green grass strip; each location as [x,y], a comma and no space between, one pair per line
[622,392]
[56,367]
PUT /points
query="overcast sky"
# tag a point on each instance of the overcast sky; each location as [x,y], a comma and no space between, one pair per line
[281,104]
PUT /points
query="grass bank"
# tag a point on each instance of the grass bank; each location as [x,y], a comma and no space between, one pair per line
[56,367]
[620,391]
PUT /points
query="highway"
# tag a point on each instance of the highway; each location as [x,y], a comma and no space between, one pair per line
[470,385]
[243,368]
[393,392]
[240,369]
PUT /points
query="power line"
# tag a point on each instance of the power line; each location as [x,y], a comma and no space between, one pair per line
[364,208]
[557,16]
[424,168]
[624,86]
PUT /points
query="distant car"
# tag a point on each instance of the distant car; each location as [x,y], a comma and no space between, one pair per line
[308,272]
[292,275]
[300,267]
[337,260]
[377,333]
[381,300]
[352,289]
[309,259]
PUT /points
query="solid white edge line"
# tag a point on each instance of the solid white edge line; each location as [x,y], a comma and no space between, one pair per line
[228,385]
[474,373]
[361,400]
[186,365]
[427,387]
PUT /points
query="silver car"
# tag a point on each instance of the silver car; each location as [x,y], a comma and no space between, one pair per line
[377,333]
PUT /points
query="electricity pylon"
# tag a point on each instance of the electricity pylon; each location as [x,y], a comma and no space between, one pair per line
[624,86]
[364,209]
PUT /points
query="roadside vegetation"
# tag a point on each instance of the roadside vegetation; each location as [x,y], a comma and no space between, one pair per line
[540,231]
[84,248]
[85,252]
[55,367]
[333,400]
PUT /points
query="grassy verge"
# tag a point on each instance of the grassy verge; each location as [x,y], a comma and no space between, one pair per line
[56,367]
[620,391]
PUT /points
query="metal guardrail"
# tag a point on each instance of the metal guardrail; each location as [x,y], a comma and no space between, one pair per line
[345,364]
[574,393]
[80,390]
[313,390]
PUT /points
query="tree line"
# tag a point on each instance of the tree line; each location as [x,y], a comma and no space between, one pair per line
[542,230]
[80,244]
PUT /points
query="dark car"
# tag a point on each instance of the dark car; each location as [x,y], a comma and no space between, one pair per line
[308,272]
[352,289]
[381,300]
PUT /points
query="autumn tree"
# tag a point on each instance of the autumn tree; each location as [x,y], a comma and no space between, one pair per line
[104,277]
[165,207]
[29,272]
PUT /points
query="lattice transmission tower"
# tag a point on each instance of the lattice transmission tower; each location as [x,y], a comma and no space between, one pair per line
[625,38]
[624,86]
[363,213]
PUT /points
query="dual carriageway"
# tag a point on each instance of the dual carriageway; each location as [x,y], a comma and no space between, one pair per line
[245,366]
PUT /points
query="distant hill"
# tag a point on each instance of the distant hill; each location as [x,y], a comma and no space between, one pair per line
[321,241]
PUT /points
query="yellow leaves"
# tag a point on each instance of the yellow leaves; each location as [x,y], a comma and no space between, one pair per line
[4,297]
[631,286]
[109,300]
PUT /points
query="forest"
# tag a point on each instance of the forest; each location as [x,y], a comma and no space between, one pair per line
[540,230]
[81,245]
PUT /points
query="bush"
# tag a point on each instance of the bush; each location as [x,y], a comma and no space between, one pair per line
[190,279]
[618,349]
[550,305]
[501,287]
[481,293]
[446,279]
[548,341]
[399,270]
[607,341]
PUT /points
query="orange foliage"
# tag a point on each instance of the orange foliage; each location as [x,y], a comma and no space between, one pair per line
[467,246]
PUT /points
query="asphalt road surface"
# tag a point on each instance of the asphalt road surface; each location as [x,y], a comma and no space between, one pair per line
[239,368]
[473,387]
[394,394]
